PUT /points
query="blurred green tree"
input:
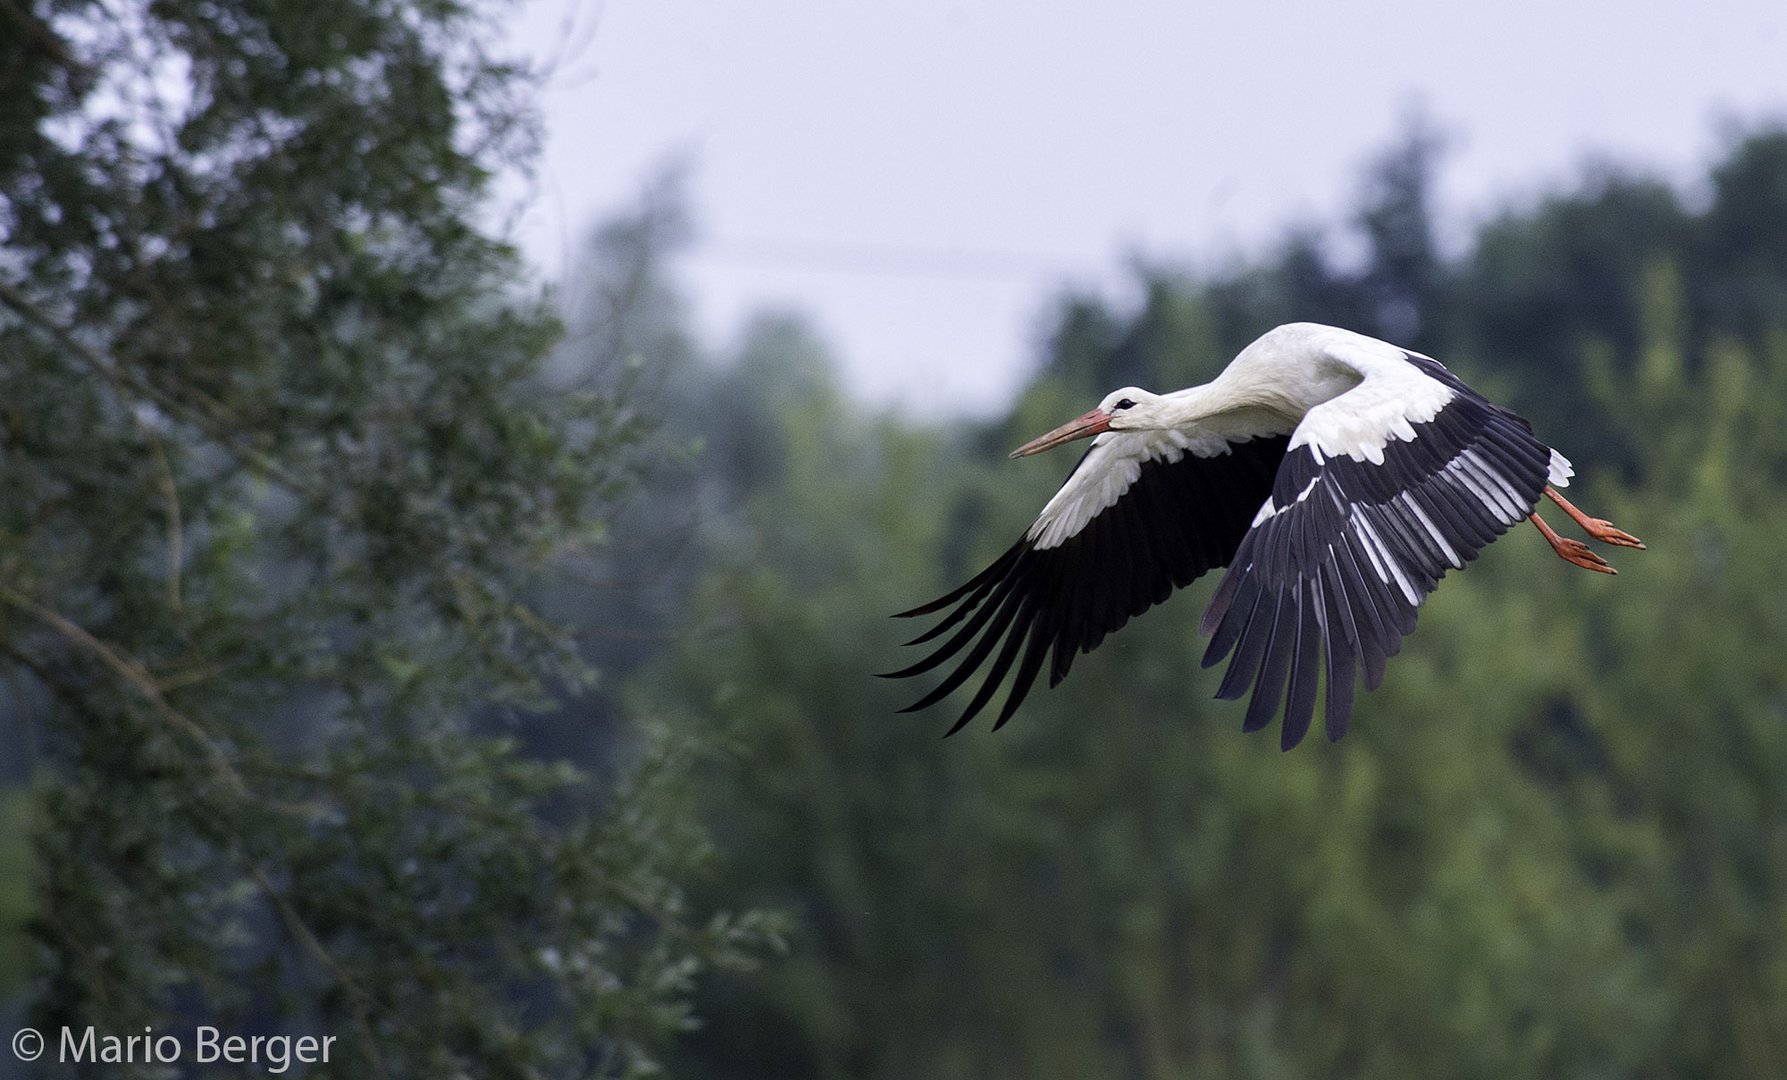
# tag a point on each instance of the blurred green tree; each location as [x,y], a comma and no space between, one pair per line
[1403,281]
[279,451]
[15,892]
[1685,698]
[1110,886]
[1739,263]
[1551,849]
[1546,285]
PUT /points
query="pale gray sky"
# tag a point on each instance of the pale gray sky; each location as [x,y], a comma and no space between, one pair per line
[921,177]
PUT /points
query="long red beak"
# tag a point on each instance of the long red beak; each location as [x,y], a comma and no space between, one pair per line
[1091,424]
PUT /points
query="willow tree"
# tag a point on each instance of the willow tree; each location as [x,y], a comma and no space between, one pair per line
[278,456]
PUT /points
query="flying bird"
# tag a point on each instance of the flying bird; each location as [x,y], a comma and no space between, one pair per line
[1336,476]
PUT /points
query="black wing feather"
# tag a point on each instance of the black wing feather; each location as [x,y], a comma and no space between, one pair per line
[1315,566]
[1176,522]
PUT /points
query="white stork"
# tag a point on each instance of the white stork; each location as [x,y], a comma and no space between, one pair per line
[1337,476]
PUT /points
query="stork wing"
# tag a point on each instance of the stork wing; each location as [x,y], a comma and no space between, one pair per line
[1381,491]
[1142,514]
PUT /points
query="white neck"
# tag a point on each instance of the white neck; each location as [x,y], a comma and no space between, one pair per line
[1226,407]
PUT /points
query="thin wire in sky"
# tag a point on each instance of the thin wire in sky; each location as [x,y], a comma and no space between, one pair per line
[891,260]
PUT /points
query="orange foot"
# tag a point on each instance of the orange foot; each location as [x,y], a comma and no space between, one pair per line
[1574,551]
[1598,528]
[1603,530]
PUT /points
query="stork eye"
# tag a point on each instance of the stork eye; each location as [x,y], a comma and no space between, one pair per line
[1124,404]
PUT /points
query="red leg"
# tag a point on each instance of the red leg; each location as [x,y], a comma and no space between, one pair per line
[1597,528]
[1572,551]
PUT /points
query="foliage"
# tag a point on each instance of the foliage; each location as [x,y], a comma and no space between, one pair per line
[15,894]
[301,601]
[279,452]
[1549,848]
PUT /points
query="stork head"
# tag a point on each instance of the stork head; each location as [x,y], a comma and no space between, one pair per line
[1128,409]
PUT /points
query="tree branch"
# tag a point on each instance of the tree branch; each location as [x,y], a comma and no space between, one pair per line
[356,994]
[133,673]
[125,382]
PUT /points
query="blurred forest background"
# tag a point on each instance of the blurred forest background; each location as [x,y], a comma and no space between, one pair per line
[393,654]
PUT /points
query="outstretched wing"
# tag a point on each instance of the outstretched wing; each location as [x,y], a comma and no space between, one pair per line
[1142,514]
[1382,490]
